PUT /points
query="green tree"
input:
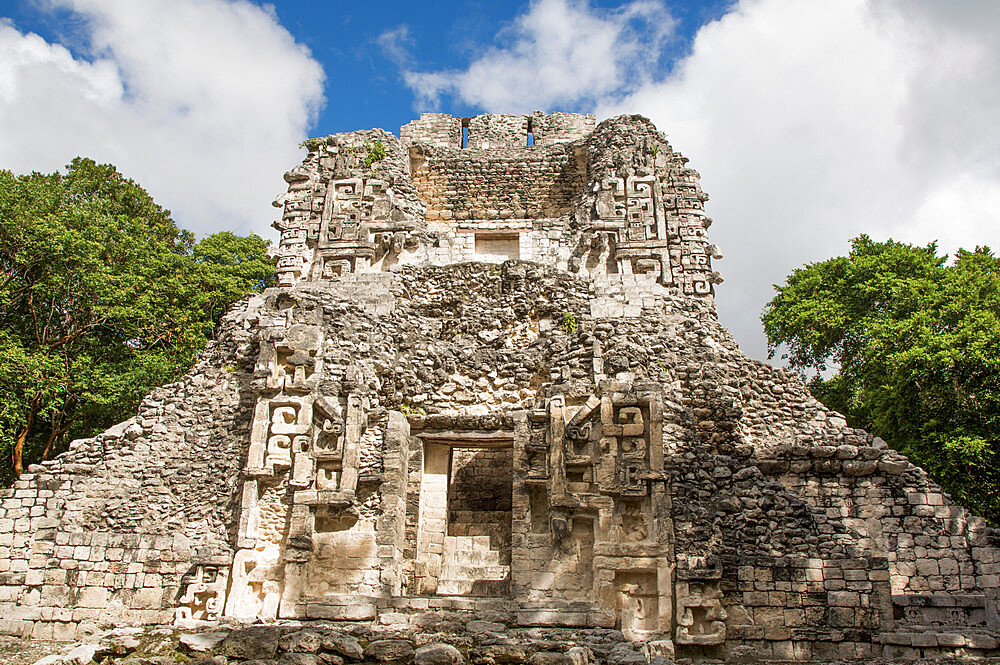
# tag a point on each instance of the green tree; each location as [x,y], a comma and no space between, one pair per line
[102,297]
[913,345]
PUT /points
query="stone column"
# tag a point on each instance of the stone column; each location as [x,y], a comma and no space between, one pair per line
[433,516]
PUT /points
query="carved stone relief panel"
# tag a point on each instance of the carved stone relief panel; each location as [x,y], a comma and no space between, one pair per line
[335,266]
[640,209]
[343,210]
[330,556]
[631,212]
[292,266]
[565,574]
[630,205]
[350,207]
[701,616]
[610,202]
[637,604]
[634,520]
[631,438]
[327,470]
[579,446]
[291,364]
[257,571]
[609,445]
[606,471]
[204,593]
[328,417]
[281,425]
[256,588]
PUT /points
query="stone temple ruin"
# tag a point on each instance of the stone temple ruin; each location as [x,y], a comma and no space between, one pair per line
[491,379]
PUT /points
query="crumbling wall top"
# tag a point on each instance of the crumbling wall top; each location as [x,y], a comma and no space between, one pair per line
[492,131]
[560,127]
[434,129]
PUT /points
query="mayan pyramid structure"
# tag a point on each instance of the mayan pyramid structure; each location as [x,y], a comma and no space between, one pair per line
[491,380]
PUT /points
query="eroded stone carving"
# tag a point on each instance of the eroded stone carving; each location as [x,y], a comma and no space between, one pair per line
[701,617]
[637,600]
[204,593]
[646,219]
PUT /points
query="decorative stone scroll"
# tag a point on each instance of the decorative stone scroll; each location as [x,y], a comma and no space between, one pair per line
[326,473]
[333,235]
[629,211]
[609,445]
[607,506]
[631,205]
[631,438]
[350,208]
[204,593]
[280,426]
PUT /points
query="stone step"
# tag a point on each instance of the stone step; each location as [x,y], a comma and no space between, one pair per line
[473,587]
[466,554]
[488,558]
[467,543]
[458,572]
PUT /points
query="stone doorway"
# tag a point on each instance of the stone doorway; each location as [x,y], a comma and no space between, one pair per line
[464,534]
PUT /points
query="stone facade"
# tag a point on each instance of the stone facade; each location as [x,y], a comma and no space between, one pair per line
[492,380]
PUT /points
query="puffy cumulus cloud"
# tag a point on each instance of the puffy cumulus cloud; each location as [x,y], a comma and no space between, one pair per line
[810,122]
[559,52]
[200,101]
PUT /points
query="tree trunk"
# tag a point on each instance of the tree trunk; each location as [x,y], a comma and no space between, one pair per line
[55,434]
[23,436]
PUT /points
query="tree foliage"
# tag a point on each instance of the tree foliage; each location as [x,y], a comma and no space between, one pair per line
[102,297]
[914,344]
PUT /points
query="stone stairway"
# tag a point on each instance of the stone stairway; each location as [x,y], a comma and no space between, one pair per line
[470,568]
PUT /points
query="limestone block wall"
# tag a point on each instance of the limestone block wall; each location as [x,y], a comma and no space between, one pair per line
[108,531]
[560,127]
[795,608]
[434,129]
[892,510]
[496,131]
[481,479]
[526,183]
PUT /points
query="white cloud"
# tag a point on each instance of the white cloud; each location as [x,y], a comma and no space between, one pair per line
[559,52]
[203,102]
[395,44]
[810,122]
[814,122]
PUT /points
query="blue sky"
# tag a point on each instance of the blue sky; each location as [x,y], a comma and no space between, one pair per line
[363,87]
[810,121]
